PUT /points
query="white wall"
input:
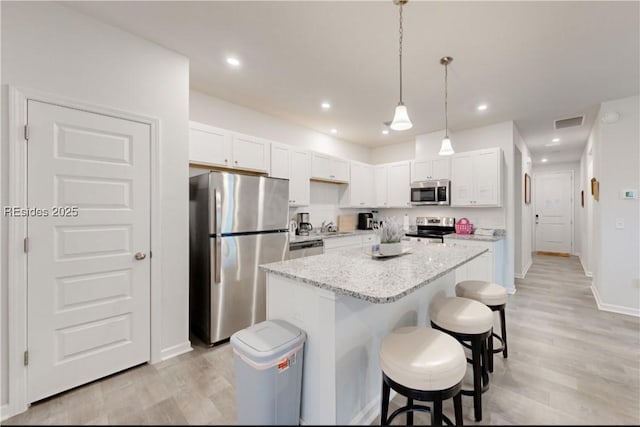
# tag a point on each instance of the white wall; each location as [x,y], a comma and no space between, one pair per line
[526,210]
[577,187]
[50,48]
[220,113]
[616,252]
[394,153]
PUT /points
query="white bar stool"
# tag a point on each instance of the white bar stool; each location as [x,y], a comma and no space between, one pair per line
[422,364]
[467,321]
[493,296]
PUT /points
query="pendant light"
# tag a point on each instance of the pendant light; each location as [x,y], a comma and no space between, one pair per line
[446,149]
[401,119]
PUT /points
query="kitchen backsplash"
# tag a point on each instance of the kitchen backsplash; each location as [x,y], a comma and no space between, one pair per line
[325,199]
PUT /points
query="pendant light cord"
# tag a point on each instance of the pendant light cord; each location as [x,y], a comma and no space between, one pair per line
[446,96]
[400,53]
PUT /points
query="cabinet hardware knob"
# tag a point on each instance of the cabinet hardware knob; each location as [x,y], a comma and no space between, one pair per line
[140,256]
[225,160]
[236,162]
[294,201]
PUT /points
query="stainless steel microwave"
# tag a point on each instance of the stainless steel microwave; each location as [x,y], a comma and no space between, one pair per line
[431,192]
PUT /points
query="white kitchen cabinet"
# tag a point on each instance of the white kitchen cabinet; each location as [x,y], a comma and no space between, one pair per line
[399,185]
[213,146]
[294,165]
[433,168]
[342,242]
[370,239]
[361,192]
[380,186]
[209,145]
[476,178]
[327,168]
[487,266]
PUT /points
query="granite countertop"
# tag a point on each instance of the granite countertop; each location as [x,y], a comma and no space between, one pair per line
[316,236]
[493,238]
[355,273]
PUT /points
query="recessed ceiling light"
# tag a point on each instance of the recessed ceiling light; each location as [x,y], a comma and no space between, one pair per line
[234,62]
[325,105]
[385,131]
[544,160]
[334,130]
[555,140]
[482,107]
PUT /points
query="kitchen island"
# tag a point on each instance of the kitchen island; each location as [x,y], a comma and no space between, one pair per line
[346,301]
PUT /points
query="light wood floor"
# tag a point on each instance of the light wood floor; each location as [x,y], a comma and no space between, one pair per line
[568,364]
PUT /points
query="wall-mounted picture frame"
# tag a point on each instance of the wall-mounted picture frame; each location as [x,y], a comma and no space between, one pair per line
[527,188]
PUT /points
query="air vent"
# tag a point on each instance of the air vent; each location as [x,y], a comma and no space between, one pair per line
[568,123]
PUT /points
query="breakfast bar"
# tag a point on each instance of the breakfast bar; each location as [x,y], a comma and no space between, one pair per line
[347,301]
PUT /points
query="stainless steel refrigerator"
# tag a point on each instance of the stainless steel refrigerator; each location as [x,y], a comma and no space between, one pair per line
[236,223]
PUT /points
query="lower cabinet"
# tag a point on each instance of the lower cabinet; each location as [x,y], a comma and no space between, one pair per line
[353,241]
[487,266]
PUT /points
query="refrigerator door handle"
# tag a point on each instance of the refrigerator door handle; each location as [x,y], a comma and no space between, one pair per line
[218,242]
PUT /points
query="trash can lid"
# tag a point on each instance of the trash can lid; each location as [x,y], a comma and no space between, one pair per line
[268,338]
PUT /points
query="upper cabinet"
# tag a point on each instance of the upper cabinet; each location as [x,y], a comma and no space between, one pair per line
[218,147]
[294,165]
[476,178]
[327,168]
[432,168]
[360,192]
[393,185]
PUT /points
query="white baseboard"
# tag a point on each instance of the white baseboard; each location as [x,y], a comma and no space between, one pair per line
[584,268]
[629,311]
[175,350]
[4,412]
[367,414]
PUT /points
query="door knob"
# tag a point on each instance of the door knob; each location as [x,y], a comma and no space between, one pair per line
[140,256]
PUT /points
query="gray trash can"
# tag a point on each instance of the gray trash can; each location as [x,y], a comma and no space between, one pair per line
[267,362]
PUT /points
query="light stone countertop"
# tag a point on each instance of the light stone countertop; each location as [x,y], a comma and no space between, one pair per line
[493,238]
[316,236]
[355,273]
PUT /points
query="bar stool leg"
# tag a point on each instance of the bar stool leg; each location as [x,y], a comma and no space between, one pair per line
[476,354]
[410,413]
[490,351]
[503,329]
[437,412]
[384,403]
[457,408]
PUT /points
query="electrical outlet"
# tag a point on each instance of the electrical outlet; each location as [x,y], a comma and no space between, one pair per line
[620,223]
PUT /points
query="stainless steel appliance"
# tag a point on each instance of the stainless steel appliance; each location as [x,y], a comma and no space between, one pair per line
[431,192]
[433,229]
[304,226]
[365,221]
[236,223]
[306,248]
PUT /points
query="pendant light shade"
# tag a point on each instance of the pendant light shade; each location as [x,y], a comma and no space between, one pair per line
[446,149]
[401,119]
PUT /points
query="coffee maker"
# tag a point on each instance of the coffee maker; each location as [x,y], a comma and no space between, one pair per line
[304,226]
[365,221]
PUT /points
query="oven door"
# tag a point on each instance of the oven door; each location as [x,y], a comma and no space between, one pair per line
[422,194]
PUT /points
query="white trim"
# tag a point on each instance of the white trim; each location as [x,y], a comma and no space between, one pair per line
[4,412]
[175,350]
[629,311]
[17,266]
[584,268]
[368,413]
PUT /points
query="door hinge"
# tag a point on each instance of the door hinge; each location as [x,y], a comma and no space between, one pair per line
[26,132]
[26,245]
[26,358]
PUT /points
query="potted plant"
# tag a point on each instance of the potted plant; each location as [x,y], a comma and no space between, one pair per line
[391,233]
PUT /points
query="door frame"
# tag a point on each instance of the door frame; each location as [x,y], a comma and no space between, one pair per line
[535,204]
[17,231]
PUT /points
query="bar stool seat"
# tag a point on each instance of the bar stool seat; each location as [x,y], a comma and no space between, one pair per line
[422,364]
[485,292]
[467,321]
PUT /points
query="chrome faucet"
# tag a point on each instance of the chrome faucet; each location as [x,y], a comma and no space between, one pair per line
[324,228]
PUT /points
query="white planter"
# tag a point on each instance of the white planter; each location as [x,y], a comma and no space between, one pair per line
[390,248]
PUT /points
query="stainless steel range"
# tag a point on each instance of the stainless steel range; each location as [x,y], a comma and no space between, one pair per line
[433,228]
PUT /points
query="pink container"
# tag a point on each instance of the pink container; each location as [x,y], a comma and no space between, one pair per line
[463,226]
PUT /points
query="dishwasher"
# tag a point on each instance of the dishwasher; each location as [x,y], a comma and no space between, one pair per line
[306,248]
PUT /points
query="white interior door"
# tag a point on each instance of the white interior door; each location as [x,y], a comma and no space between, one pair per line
[88,297]
[553,201]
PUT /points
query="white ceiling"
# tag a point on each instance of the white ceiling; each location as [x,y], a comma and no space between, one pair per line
[532,62]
